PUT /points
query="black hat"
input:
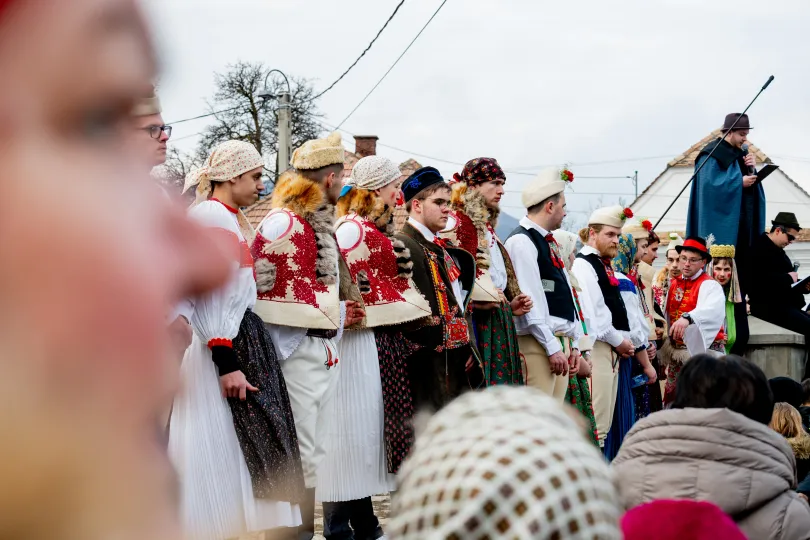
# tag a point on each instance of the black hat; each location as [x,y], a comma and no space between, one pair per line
[419,180]
[742,123]
[786,219]
[697,245]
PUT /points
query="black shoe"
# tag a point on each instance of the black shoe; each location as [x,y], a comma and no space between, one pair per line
[306,531]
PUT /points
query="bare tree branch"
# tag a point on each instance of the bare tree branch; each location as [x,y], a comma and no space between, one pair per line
[253,119]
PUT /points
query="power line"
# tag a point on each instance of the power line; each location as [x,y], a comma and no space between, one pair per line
[394,64]
[605,162]
[202,116]
[359,57]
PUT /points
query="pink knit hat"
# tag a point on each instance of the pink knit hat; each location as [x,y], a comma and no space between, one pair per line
[679,520]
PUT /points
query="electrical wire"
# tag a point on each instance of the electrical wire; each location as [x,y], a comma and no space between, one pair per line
[359,57]
[393,65]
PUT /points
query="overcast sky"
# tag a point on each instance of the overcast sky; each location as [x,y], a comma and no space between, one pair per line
[530,83]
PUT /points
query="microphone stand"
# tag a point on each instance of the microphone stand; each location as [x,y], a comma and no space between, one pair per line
[770,80]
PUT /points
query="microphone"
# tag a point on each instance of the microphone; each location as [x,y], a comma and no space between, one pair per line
[796,266]
[751,170]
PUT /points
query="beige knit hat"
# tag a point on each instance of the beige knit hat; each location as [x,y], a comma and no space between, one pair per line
[373,172]
[612,216]
[547,183]
[505,462]
[318,153]
[147,106]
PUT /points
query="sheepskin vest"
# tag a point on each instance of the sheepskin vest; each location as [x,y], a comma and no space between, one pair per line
[382,269]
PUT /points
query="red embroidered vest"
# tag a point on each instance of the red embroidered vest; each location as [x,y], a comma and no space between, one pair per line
[296,297]
[683,298]
[388,298]
[464,234]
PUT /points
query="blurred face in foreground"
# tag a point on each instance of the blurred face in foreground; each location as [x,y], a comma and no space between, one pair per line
[93,258]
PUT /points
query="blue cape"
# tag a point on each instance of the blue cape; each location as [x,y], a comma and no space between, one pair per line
[715,202]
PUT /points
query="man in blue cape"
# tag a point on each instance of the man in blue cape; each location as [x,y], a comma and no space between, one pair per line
[728,203]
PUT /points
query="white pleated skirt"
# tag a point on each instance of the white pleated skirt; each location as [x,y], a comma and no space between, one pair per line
[355,465]
[216,492]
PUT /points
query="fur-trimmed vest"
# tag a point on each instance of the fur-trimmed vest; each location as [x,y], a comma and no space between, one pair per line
[297,274]
[382,269]
[471,221]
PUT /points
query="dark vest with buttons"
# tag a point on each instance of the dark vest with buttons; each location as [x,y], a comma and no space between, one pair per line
[560,301]
[611,294]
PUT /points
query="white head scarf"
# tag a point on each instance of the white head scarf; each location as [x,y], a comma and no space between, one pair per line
[227,161]
[506,462]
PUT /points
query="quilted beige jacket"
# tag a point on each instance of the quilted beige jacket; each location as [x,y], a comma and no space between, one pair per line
[719,456]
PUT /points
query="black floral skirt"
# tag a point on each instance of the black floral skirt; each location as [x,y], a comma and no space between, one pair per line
[264,421]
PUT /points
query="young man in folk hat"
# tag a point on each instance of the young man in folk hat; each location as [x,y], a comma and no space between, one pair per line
[696,309]
[447,363]
[549,332]
[773,298]
[603,308]
[371,432]
[235,478]
[496,295]
[151,134]
[301,295]
[727,201]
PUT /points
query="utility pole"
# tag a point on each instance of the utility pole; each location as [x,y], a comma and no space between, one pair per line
[635,182]
[284,133]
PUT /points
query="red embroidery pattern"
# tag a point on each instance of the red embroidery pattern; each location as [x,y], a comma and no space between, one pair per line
[556,258]
[456,333]
[380,267]
[683,298]
[303,280]
[610,274]
[466,237]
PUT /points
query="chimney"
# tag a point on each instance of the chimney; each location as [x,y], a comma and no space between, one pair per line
[365,145]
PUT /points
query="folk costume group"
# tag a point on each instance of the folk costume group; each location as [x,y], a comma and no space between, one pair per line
[306,371]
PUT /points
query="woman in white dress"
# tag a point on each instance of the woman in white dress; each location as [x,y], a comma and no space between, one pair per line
[368,432]
[232,436]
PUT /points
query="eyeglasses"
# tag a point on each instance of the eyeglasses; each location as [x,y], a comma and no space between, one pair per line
[155,131]
[691,261]
[791,238]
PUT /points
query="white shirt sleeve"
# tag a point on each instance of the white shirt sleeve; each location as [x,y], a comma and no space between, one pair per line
[497,267]
[638,333]
[218,314]
[710,312]
[184,308]
[524,259]
[599,320]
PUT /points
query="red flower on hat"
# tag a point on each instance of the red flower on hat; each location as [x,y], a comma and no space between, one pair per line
[566,175]
[647,224]
[626,214]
